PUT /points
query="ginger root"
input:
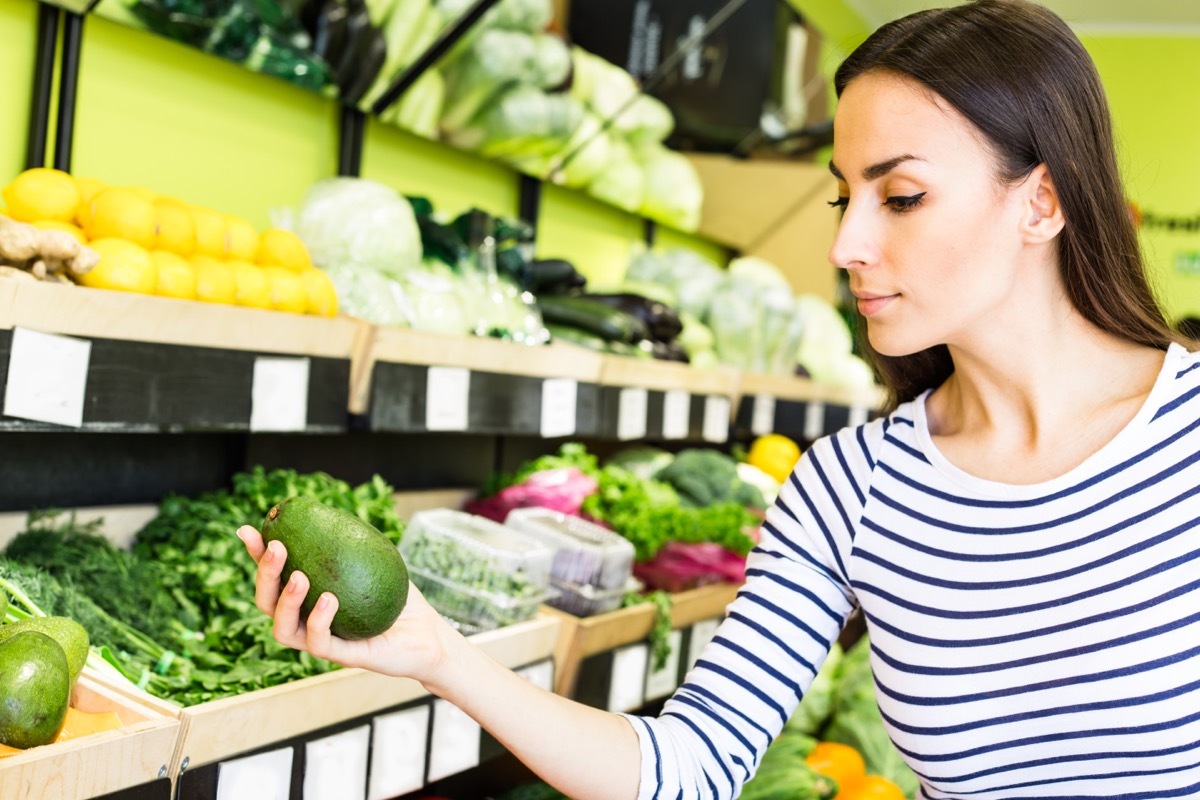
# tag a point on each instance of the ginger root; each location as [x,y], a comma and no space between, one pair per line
[48,255]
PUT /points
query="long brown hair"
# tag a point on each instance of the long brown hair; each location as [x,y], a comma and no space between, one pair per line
[1024,80]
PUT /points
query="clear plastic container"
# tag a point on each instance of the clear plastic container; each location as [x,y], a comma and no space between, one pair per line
[584,600]
[585,554]
[478,573]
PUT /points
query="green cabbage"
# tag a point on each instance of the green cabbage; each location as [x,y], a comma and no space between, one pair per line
[358,222]
[674,194]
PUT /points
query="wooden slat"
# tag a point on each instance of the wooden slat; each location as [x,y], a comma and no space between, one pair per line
[78,311]
[139,752]
[667,375]
[787,388]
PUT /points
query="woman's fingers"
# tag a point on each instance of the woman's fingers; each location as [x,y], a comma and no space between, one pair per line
[288,629]
[266,583]
[320,641]
[253,541]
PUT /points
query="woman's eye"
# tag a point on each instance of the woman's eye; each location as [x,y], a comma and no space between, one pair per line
[841,203]
[901,203]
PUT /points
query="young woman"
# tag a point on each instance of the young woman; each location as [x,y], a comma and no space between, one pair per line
[1020,530]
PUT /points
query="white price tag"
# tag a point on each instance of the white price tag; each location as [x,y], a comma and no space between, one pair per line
[540,674]
[661,682]
[762,421]
[858,416]
[558,407]
[631,414]
[455,744]
[628,688]
[716,418]
[47,377]
[447,398]
[677,414]
[279,397]
[702,633]
[814,420]
[266,776]
[398,752]
[335,768]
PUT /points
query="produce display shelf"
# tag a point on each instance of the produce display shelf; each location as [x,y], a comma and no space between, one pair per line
[664,400]
[800,408]
[97,360]
[131,761]
[307,730]
[604,657]
[413,381]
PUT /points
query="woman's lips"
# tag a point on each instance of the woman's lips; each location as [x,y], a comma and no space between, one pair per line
[870,306]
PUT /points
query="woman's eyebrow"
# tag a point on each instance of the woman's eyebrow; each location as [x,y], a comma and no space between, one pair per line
[876,170]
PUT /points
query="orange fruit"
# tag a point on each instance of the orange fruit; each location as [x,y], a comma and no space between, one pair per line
[838,761]
[871,787]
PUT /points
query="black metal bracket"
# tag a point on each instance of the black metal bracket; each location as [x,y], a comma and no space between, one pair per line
[529,200]
[352,130]
[649,231]
[43,73]
[439,48]
[68,89]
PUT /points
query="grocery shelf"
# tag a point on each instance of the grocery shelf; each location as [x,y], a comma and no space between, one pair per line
[99,360]
[133,759]
[589,649]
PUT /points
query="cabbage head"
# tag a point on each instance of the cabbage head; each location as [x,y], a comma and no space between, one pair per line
[361,223]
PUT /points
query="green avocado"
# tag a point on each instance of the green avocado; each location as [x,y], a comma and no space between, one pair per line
[341,554]
[35,688]
[69,634]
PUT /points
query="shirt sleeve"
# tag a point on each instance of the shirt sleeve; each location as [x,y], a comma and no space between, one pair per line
[749,679]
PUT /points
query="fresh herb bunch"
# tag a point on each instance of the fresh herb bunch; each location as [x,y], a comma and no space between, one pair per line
[125,586]
[660,632]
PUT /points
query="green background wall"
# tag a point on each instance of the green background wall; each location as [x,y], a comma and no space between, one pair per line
[158,114]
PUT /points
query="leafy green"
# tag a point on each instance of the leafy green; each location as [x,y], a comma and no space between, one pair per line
[858,722]
[783,773]
[706,477]
[817,703]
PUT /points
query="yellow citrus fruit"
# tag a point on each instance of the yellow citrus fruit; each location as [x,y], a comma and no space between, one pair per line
[211,238]
[214,280]
[287,293]
[322,297]
[55,225]
[88,187]
[144,193]
[123,266]
[42,193]
[775,455]
[242,238]
[122,214]
[176,228]
[176,277]
[253,285]
[280,248]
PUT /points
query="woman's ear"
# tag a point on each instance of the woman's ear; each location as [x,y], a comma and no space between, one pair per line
[1043,217]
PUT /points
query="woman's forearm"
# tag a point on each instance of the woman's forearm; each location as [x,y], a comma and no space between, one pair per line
[586,753]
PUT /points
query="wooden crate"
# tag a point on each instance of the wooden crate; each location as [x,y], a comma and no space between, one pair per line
[139,752]
[582,637]
[221,729]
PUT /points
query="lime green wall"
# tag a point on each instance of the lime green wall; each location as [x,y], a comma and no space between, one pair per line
[18,33]
[1152,87]
[158,114]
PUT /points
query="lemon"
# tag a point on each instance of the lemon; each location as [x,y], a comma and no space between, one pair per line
[88,187]
[144,193]
[176,228]
[287,293]
[176,277]
[253,285]
[122,214]
[242,238]
[775,455]
[280,248]
[322,297]
[211,239]
[214,280]
[42,193]
[124,266]
[55,225]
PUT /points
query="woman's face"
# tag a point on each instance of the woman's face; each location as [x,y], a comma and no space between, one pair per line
[929,236]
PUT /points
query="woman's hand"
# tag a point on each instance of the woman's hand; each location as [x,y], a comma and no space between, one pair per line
[414,647]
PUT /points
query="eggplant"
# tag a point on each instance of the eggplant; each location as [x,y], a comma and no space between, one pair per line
[552,276]
[595,318]
[662,323]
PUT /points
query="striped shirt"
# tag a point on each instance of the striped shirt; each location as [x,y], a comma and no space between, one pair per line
[1027,641]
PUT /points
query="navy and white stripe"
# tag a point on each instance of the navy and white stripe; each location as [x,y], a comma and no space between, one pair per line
[1028,641]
